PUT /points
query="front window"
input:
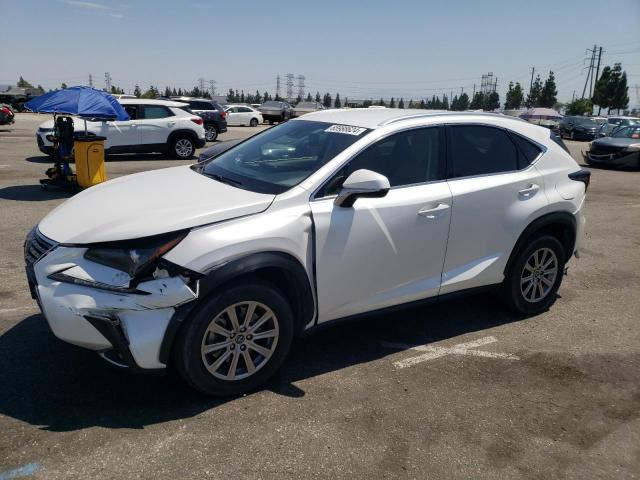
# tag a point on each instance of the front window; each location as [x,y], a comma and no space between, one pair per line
[281,157]
[586,122]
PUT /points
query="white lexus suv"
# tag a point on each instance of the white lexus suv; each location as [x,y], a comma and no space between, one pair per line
[159,126]
[217,267]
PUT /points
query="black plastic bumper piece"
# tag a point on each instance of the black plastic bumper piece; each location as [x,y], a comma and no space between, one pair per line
[121,355]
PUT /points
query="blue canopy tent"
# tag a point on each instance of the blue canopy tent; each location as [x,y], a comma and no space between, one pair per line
[85,102]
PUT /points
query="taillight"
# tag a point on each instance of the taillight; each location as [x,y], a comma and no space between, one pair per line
[197,121]
[6,111]
[223,115]
[583,176]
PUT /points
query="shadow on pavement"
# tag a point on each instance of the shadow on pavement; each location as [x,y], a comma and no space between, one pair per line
[58,387]
[33,193]
[40,159]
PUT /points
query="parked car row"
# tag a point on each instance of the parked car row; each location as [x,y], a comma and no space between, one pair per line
[621,149]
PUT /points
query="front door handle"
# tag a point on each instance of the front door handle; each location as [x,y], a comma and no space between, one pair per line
[529,191]
[171,124]
[435,212]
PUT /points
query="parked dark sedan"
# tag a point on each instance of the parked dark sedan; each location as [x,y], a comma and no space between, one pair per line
[578,128]
[621,149]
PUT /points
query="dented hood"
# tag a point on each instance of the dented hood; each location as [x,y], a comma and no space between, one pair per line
[146,204]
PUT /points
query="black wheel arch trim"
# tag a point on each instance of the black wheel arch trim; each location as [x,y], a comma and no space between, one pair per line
[561,219]
[302,298]
[180,133]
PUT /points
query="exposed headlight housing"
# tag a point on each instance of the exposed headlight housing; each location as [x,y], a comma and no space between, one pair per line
[135,257]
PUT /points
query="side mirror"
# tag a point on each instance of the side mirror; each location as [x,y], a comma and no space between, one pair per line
[361,183]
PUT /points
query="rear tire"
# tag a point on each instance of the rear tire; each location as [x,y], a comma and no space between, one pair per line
[271,122]
[212,348]
[182,148]
[210,133]
[253,122]
[535,275]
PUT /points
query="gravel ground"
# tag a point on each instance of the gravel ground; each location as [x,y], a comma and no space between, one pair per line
[554,396]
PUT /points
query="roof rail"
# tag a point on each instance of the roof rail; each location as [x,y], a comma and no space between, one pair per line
[443,112]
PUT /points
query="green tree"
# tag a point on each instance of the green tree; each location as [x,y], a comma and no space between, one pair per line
[151,93]
[401,103]
[22,83]
[136,91]
[548,95]
[318,97]
[173,92]
[411,103]
[180,92]
[620,90]
[382,102]
[167,92]
[309,98]
[242,97]
[463,102]
[477,101]
[337,102]
[579,106]
[445,102]
[367,103]
[328,101]
[40,88]
[515,97]
[600,89]
[492,101]
[534,93]
[346,102]
[265,96]
[257,98]
[63,85]
[423,104]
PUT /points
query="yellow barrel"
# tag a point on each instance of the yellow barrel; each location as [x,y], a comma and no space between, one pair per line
[89,157]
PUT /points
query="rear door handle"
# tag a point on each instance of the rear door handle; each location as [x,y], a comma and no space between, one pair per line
[171,124]
[435,212]
[529,191]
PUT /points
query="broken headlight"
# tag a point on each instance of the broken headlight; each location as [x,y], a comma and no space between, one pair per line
[135,257]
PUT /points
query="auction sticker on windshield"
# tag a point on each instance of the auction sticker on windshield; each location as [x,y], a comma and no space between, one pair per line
[346,129]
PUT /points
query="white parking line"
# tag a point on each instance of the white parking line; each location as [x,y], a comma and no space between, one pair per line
[437,352]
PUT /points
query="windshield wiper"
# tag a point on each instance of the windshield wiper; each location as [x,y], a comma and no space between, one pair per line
[222,179]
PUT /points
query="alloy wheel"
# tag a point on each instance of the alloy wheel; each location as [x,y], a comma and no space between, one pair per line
[184,148]
[210,134]
[539,275]
[240,340]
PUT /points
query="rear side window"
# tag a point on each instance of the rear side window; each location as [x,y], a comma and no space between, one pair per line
[479,150]
[201,106]
[156,111]
[528,151]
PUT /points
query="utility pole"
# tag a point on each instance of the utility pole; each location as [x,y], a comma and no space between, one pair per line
[594,62]
[589,73]
[598,65]
[278,86]
[107,81]
[212,87]
[90,80]
[573,97]
[533,69]
[474,91]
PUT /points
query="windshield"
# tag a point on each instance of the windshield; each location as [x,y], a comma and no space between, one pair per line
[627,132]
[587,122]
[272,104]
[281,157]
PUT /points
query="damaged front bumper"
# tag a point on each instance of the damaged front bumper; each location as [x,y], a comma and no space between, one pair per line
[127,328]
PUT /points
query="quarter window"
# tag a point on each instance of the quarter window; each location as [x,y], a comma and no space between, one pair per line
[478,150]
[528,151]
[406,158]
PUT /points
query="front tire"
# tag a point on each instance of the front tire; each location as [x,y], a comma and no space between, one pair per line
[182,148]
[253,122]
[535,275]
[236,340]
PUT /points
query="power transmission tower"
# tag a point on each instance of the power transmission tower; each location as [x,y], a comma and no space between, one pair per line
[90,80]
[488,85]
[278,86]
[598,65]
[301,86]
[107,81]
[289,77]
[212,87]
[201,85]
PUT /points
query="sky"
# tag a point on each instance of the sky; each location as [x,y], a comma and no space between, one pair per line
[361,49]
